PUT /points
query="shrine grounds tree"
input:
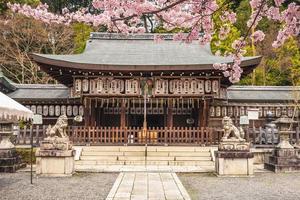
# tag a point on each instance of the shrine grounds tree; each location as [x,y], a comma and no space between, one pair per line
[137,16]
[217,21]
[20,36]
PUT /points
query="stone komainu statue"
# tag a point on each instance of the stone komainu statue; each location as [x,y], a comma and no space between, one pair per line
[231,131]
[59,129]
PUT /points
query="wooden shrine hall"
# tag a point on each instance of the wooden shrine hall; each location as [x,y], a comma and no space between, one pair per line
[129,80]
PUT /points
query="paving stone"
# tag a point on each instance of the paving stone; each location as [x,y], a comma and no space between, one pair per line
[148,185]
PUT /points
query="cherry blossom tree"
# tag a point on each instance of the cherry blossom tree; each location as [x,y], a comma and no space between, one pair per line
[196,16]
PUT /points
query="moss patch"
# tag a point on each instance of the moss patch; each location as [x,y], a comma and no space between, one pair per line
[25,154]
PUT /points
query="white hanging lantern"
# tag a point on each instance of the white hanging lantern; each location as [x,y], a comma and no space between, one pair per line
[45,110]
[57,110]
[77,86]
[85,85]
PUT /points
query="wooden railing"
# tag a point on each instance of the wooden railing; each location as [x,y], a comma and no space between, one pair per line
[81,135]
[133,135]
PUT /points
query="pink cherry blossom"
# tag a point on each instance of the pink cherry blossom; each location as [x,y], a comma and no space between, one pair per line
[139,16]
[258,36]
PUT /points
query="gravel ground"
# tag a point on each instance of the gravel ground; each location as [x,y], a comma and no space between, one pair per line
[83,186]
[264,186]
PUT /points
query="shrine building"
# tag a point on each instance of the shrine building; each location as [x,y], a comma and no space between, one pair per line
[117,78]
[126,81]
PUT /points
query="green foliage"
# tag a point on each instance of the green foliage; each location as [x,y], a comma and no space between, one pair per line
[223,46]
[25,154]
[279,67]
[161,29]
[82,33]
[73,5]
[288,57]
[3,3]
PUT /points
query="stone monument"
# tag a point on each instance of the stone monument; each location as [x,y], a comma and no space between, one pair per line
[10,161]
[55,156]
[233,158]
[285,158]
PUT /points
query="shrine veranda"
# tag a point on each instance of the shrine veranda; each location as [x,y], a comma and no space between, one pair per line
[118,78]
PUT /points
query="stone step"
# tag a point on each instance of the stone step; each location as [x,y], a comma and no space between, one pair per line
[192,158]
[158,162]
[190,154]
[132,148]
[108,158]
[112,153]
[101,148]
[134,153]
[131,158]
[158,158]
[98,162]
[114,148]
[157,154]
[176,148]
[102,153]
[143,162]
[135,162]
[191,163]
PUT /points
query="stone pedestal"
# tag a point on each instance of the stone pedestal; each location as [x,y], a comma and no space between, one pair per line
[55,157]
[10,161]
[284,160]
[234,159]
[55,163]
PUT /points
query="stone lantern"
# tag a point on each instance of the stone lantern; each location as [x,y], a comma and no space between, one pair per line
[285,125]
[285,158]
[10,161]
[6,132]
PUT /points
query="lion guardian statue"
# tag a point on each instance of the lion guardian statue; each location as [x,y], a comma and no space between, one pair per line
[59,129]
[231,131]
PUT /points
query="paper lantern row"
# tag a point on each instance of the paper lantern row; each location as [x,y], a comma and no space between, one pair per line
[56,110]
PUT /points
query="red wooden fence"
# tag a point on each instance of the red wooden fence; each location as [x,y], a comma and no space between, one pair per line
[81,135]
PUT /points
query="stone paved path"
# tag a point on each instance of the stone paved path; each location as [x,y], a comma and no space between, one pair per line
[147,186]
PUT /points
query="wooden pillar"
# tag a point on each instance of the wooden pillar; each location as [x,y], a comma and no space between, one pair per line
[123,115]
[87,114]
[170,114]
[200,110]
[93,112]
[203,113]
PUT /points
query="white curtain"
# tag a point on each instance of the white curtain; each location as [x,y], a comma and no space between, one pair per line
[12,110]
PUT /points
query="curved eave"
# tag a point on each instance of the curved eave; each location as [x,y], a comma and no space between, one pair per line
[248,64]
[117,67]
